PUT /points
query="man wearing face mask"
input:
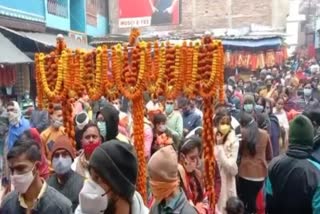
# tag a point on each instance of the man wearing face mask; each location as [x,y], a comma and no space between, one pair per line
[111,186]
[174,119]
[308,102]
[108,123]
[191,119]
[31,194]
[18,124]
[56,129]
[165,183]
[65,180]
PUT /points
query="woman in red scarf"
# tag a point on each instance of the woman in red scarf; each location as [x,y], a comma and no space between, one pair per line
[33,134]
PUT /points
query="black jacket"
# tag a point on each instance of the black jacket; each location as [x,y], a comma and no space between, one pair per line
[292,185]
[111,117]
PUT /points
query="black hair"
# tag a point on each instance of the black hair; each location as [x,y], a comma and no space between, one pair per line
[159,118]
[82,131]
[57,107]
[313,115]
[250,135]
[189,144]
[234,206]
[263,102]
[262,121]
[25,146]
[221,113]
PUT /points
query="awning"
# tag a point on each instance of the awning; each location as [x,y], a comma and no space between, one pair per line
[10,54]
[49,39]
[251,43]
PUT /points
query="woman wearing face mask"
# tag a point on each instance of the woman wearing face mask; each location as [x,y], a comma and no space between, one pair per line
[226,153]
[90,140]
[161,135]
[191,178]
[280,113]
[111,188]
[255,152]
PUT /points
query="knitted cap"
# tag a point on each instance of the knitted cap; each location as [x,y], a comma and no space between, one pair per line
[116,162]
[163,165]
[301,131]
[63,142]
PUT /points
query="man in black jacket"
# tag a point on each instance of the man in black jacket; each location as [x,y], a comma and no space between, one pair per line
[292,185]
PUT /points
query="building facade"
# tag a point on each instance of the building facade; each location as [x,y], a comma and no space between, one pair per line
[32,25]
[198,14]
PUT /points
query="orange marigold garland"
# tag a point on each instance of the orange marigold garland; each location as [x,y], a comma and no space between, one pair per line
[129,79]
[138,135]
[155,69]
[134,34]
[62,64]
[208,140]
[191,69]
[173,80]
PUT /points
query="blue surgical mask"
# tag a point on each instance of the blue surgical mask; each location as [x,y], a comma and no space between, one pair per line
[61,165]
[103,128]
[169,108]
[259,108]
[307,92]
[248,108]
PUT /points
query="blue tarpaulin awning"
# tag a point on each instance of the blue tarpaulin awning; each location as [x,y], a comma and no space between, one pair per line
[252,43]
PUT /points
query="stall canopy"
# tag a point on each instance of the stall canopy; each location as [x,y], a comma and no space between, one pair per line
[46,39]
[10,54]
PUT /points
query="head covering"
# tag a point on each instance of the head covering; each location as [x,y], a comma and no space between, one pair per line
[111,117]
[63,142]
[301,131]
[82,119]
[116,162]
[163,165]
[43,166]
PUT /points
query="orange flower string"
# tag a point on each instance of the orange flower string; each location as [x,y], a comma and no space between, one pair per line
[138,137]
[208,140]
[134,34]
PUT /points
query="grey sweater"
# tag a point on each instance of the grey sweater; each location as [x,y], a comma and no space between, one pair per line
[52,202]
[71,187]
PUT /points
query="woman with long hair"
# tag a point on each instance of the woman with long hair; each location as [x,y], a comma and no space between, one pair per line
[255,152]
[226,154]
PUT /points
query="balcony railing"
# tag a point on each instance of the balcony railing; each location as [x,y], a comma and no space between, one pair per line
[58,7]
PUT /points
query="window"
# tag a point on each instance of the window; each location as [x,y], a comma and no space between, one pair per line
[58,7]
[92,12]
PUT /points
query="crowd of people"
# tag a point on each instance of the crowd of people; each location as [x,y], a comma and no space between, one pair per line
[266,151]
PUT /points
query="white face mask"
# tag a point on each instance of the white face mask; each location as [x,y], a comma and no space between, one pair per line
[22,182]
[62,165]
[13,117]
[57,123]
[93,199]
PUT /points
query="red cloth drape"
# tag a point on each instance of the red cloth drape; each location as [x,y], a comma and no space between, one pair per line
[8,76]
